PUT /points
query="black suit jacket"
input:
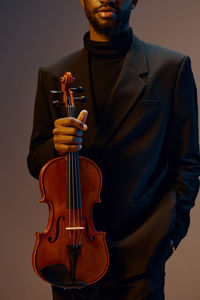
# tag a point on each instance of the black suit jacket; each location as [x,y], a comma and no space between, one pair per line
[146,145]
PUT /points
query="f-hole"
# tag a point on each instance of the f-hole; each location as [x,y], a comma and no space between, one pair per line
[50,239]
[91,239]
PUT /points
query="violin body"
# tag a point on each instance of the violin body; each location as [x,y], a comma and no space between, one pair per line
[62,256]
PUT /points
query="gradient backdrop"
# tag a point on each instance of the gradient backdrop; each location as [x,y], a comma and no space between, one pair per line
[35,33]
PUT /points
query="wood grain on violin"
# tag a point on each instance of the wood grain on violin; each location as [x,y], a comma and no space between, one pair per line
[70,253]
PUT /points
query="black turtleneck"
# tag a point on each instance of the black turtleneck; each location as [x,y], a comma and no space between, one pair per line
[105,62]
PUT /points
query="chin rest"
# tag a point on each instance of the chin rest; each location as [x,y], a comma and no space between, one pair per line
[59,276]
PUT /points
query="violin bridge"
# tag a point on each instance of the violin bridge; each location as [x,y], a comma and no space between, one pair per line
[75,228]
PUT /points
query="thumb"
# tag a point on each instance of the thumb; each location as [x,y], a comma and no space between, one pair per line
[83,116]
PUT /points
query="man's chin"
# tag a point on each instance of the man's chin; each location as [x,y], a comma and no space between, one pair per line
[106,27]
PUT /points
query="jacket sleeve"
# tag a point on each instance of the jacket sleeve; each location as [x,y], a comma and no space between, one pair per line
[184,149]
[41,145]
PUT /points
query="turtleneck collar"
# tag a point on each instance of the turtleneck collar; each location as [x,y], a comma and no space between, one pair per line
[117,47]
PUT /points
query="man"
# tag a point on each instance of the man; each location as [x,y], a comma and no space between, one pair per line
[142,132]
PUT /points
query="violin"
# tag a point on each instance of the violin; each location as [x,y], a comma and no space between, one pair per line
[70,253]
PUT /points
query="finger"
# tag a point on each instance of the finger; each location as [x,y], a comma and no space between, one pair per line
[70,122]
[67,131]
[67,139]
[83,116]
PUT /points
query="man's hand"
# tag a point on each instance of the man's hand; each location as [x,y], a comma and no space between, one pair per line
[68,132]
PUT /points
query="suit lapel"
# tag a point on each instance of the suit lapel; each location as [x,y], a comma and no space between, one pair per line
[128,88]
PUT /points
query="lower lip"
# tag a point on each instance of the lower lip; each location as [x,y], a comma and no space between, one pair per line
[107,14]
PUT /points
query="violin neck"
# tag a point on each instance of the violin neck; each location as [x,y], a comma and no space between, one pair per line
[73,173]
[71,111]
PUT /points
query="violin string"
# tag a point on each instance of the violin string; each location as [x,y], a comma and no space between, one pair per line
[75,183]
[78,199]
[78,196]
[80,204]
[73,200]
[70,187]
[73,187]
[69,193]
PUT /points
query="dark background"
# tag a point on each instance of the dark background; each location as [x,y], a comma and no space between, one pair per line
[35,33]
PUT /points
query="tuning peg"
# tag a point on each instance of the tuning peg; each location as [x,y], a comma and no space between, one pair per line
[78,90]
[82,99]
[56,95]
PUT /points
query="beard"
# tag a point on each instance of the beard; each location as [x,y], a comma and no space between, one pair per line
[108,26]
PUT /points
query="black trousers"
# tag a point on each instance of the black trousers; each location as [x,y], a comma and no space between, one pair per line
[148,286]
[145,288]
